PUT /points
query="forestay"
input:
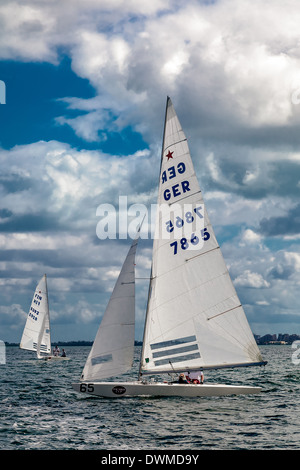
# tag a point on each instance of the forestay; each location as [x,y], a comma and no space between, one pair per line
[36,334]
[194,317]
[112,351]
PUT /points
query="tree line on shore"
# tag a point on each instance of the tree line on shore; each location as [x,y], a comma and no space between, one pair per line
[261,340]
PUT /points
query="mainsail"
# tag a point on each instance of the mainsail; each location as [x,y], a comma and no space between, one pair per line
[36,334]
[194,318]
[112,351]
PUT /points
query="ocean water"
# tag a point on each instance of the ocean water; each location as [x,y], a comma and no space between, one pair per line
[39,409]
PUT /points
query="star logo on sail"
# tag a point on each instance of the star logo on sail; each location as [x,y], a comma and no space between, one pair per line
[169,155]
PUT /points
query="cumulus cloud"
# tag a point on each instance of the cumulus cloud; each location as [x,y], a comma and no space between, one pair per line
[266,280]
[249,236]
[250,279]
[48,184]
[232,69]
[287,266]
[50,193]
[230,62]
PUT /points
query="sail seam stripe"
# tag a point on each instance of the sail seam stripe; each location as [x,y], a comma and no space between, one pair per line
[201,254]
[226,311]
[179,141]
[184,197]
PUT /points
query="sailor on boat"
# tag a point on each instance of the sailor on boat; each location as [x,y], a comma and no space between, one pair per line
[197,378]
[187,379]
[182,379]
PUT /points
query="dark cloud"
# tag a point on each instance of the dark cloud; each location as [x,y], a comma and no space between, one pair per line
[13,183]
[5,213]
[30,223]
[253,173]
[288,224]
[282,272]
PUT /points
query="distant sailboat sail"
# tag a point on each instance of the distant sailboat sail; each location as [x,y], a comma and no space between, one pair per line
[195,319]
[36,334]
[112,351]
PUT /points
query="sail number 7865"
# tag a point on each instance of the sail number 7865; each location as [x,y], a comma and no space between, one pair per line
[184,243]
[189,217]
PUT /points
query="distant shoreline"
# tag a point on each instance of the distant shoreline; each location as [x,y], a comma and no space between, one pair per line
[280,339]
[70,343]
[260,340]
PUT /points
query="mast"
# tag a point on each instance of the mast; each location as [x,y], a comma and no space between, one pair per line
[48,312]
[46,320]
[151,277]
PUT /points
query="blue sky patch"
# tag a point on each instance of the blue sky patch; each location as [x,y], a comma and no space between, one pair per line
[34,100]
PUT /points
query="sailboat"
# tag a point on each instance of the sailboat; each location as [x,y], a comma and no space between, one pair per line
[36,334]
[194,318]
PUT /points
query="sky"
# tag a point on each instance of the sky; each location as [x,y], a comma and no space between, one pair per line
[81,124]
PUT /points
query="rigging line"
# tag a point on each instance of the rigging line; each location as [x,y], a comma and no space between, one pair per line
[249,337]
[172,367]
[228,330]
[222,313]
[139,240]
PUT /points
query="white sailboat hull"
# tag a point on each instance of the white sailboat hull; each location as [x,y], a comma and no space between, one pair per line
[160,389]
[54,358]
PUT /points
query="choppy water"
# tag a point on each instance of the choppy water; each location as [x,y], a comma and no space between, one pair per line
[40,410]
